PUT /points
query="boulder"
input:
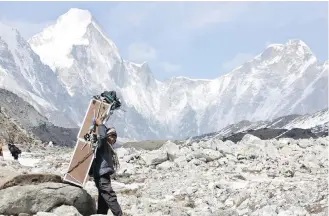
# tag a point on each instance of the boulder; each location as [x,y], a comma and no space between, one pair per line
[66,210]
[44,197]
[167,165]
[211,155]
[172,150]
[31,179]
[155,157]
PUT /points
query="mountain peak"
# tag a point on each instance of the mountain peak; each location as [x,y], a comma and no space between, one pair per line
[70,26]
[296,42]
[290,44]
[69,30]
[299,47]
[293,48]
[76,16]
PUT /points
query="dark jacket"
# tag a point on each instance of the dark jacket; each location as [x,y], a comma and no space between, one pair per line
[14,149]
[103,163]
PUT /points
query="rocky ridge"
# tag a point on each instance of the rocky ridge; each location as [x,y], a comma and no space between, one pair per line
[26,125]
[289,126]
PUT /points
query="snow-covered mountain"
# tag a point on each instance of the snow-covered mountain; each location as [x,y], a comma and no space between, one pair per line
[317,122]
[284,79]
[22,73]
[87,63]
[309,120]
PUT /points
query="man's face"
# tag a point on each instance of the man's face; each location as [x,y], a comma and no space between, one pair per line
[112,138]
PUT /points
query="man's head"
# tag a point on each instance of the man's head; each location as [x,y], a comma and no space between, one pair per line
[111,135]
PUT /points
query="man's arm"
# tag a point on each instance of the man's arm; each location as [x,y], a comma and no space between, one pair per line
[101,132]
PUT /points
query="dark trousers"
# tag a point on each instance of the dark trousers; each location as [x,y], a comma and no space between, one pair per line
[107,198]
[15,156]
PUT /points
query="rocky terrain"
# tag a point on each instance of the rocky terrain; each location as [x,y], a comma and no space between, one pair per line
[282,177]
[24,124]
[11,131]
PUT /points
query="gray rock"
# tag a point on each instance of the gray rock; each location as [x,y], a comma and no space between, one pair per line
[211,155]
[44,197]
[172,150]
[155,157]
[23,214]
[167,165]
[45,214]
[65,210]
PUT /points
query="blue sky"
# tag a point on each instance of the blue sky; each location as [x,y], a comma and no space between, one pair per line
[193,39]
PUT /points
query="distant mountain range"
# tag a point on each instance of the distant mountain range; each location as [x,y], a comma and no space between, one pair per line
[315,124]
[58,70]
[21,119]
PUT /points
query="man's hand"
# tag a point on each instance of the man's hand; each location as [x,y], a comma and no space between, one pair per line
[98,121]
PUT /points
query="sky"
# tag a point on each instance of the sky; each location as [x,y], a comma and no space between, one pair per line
[199,40]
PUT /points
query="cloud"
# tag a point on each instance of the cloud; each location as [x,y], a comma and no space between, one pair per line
[171,68]
[238,60]
[141,52]
[26,29]
[214,14]
[170,27]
